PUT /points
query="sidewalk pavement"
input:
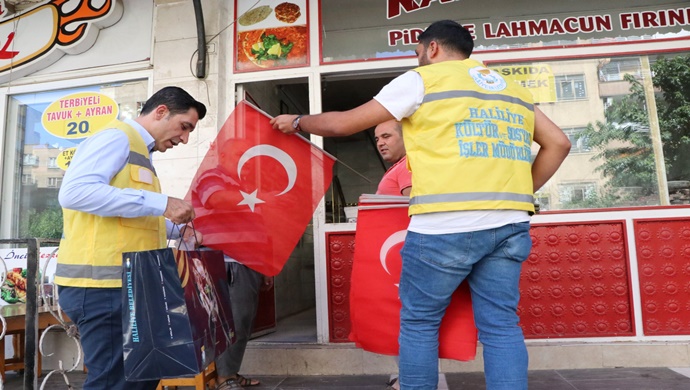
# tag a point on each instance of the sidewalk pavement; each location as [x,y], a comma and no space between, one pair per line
[581,379]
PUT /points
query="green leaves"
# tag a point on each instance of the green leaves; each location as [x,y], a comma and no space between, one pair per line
[271,48]
[626,135]
[43,224]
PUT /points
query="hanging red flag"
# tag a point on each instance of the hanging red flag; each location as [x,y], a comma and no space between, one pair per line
[374,302]
[256,190]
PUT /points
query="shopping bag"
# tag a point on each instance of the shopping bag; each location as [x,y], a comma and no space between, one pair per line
[177,317]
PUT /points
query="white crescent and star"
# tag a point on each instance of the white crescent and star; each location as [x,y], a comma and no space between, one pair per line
[251,200]
[390,242]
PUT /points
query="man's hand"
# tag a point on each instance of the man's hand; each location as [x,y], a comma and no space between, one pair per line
[178,211]
[266,283]
[191,236]
[284,123]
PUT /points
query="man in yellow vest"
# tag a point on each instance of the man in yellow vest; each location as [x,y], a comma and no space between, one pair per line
[112,203]
[468,134]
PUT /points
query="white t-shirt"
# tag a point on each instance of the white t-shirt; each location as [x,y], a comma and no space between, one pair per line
[402,97]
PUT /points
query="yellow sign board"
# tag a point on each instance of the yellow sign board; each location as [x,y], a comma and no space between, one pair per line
[537,78]
[79,115]
[65,157]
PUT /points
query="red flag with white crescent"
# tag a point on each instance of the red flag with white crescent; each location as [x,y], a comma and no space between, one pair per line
[256,190]
[374,302]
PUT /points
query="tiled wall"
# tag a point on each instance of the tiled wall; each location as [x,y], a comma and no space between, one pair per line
[663,255]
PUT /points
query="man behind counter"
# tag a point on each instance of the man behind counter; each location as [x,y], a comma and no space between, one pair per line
[389,141]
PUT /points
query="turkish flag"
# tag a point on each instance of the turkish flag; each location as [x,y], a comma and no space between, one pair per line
[374,302]
[256,190]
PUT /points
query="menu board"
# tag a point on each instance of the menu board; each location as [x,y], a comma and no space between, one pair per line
[271,34]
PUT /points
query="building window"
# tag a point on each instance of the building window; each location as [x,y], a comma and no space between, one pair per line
[571,87]
[52,162]
[54,182]
[30,160]
[617,68]
[27,179]
[579,143]
[576,192]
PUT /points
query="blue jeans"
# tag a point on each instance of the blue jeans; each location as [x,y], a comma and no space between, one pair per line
[97,312]
[433,267]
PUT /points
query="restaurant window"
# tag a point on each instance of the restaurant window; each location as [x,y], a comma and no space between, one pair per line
[38,145]
[613,129]
[571,87]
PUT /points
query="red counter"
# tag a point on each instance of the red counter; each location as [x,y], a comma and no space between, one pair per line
[578,280]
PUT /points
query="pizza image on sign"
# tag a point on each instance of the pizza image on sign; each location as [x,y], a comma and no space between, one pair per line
[273,47]
[270,42]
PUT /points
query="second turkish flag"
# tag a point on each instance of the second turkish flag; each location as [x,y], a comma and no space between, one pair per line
[374,302]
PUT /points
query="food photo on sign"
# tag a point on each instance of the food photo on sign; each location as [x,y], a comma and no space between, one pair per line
[271,34]
[13,287]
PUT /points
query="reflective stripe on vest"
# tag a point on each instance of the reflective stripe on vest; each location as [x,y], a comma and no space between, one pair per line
[432,97]
[140,160]
[471,196]
[84,271]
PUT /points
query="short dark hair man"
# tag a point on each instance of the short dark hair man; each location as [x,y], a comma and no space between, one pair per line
[112,203]
[468,135]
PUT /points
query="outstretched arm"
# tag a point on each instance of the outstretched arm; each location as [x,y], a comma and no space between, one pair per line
[336,123]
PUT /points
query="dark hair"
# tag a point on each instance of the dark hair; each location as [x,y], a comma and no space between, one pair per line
[449,34]
[176,99]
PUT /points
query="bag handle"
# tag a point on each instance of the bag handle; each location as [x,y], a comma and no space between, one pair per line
[183,244]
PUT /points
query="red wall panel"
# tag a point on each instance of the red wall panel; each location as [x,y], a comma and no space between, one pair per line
[576,282]
[340,249]
[663,258]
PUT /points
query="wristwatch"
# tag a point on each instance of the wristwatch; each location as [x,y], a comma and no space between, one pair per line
[295,123]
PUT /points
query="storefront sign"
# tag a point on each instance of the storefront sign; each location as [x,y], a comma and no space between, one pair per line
[38,37]
[537,78]
[65,158]
[367,29]
[272,35]
[77,116]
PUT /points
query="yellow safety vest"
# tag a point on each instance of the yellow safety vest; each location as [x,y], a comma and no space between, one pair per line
[91,248]
[469,143]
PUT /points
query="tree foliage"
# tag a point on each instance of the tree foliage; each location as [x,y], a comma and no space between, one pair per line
[623,142]
[43,224]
